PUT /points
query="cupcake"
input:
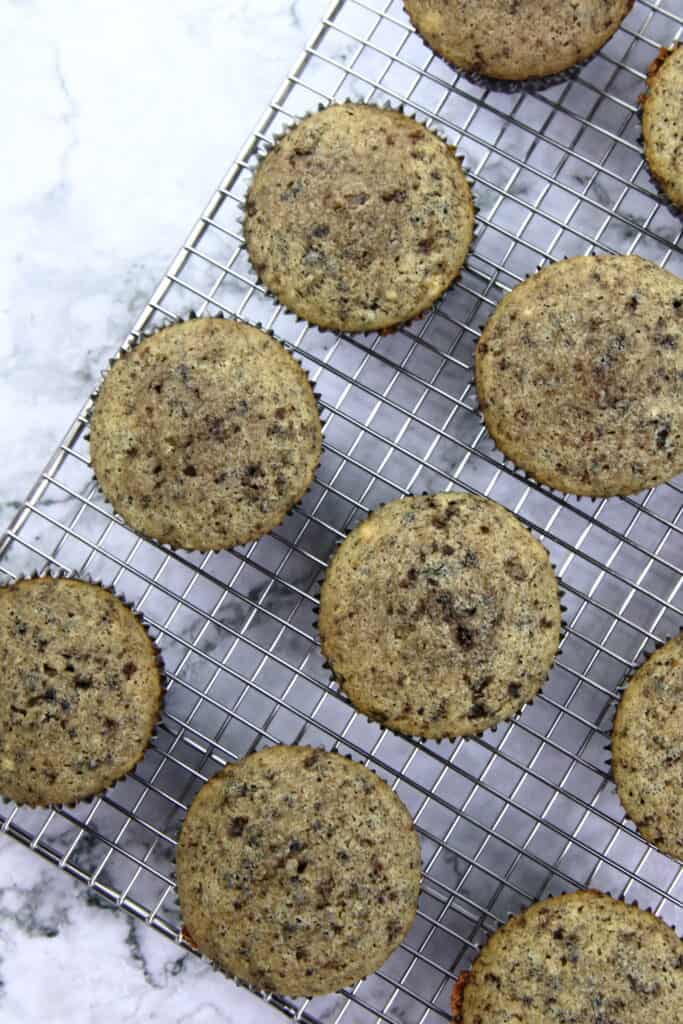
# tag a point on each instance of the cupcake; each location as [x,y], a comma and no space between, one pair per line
[579,375]
[205,434]
[440,615]
[647,748]
[516,39]
[585,958]
[359,218]
[80,694]
[663,123]
[298,871]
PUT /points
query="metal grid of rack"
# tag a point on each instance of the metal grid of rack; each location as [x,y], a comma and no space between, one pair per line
[527,809]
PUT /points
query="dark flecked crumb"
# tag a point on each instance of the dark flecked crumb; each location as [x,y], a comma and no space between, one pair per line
[226,430]
[663,123]
[584,958]
[346,226]
[581,387]
[647,748]
[516,39]
[456,615]
[298,870]
[80,692]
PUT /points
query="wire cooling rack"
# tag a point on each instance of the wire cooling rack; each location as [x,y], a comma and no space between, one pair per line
[526,810]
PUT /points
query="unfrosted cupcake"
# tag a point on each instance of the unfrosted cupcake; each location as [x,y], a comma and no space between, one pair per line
[359,218]
[80,693]
[584,957]
[647,748]
[579,375]
[205,434]
[440,615]
[516,39]
[298,871]
[663,123]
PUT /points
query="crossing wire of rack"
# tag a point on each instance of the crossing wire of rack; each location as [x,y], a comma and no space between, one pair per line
[527,809]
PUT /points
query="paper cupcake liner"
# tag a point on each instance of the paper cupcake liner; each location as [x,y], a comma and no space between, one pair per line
[533,84]
[125,351]
[58,574]
[652,72]
[461,983]
[414,737]
[511,86]
[267,147]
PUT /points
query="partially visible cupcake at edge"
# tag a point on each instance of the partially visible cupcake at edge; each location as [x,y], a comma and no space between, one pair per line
[647,748]
[359,218]
[584,958]
[663,122]
[515,40]
[579,375]
[205,434]
[80,694]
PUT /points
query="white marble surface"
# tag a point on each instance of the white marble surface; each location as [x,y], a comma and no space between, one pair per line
[118,118]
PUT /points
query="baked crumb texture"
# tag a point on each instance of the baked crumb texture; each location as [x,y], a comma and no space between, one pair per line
[584,958]
[81,690]
[663,123]
[516,39]
[298,871]
[647,748]
[440,615]
[205,434]
[359,218]
[579,375]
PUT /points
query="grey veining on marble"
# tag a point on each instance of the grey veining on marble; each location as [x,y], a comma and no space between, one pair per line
[118,119]
[65,955]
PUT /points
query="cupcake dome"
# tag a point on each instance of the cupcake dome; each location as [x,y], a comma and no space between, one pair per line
[440,615]
[359,218]
[581,957]
[80,693]
[647,748]
[516,39]
[579,375]
[298,870]
[663,123]
[205,434]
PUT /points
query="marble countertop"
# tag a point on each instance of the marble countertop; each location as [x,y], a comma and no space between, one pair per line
[122,117]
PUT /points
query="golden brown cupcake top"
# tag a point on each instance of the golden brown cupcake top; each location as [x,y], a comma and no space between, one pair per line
[440,615]
[298,870]
[205,435]
[579,375]
[663,123]
[516,39]
[359,218]
[80,692]
[584,958]
[647,748]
